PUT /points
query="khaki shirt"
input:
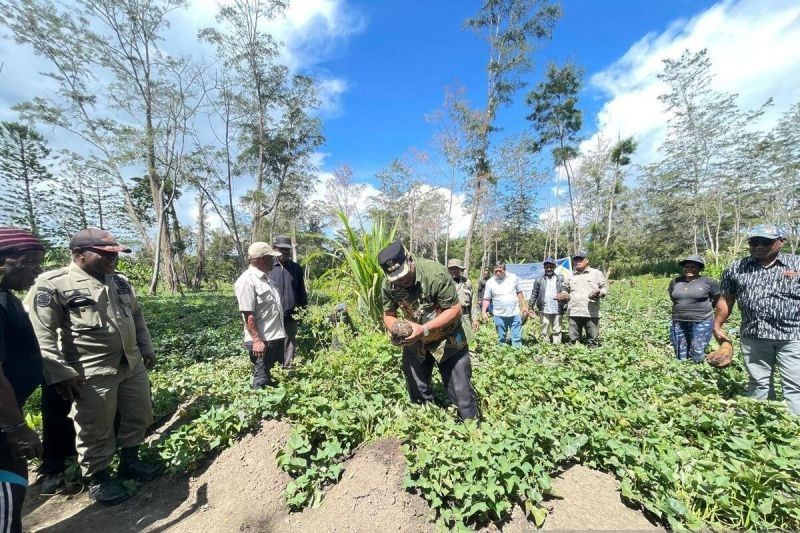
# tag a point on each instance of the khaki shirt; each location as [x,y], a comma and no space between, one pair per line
[433,292]
[85,326]
[258,294]
[464,289]
[579,286]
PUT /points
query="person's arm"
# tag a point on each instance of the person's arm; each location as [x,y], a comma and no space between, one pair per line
[302,294]
[532,308]
[723,310]
[442,319]
[46,313]
[143,339]
[602,285]
[523,305]
[23,442]
[487,299]
[259,346]
[714,292]
[246,298]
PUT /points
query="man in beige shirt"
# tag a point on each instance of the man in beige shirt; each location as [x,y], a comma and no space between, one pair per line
[96,350]
[586,287]
[262,313]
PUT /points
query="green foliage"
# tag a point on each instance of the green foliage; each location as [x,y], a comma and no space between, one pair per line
[685,444]
[360,271]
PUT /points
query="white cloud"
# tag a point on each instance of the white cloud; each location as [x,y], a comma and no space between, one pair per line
[753,48]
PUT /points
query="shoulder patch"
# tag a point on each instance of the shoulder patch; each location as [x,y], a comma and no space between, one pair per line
[123,287]
[43,299]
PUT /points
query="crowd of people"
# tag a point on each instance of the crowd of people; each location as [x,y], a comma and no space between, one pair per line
[81,335]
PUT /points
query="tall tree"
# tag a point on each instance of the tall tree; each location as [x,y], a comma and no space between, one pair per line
[512,29]
[557,122]
[248,52]
[22,168]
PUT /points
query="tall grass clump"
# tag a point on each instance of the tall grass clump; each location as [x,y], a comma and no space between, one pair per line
[360,272]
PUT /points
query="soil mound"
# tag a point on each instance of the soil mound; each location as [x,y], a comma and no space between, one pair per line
[591,500]
[369,497]
[240,488]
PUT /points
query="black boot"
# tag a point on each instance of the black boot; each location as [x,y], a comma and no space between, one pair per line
[131,467]
[104,489]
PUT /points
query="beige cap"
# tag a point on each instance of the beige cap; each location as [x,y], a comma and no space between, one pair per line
[260,249]
[458,263]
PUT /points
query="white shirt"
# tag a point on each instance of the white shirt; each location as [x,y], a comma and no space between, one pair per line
[503,295]
[550,303]
[256,293]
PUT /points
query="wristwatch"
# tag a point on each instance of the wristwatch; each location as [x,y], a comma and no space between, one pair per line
[425,331]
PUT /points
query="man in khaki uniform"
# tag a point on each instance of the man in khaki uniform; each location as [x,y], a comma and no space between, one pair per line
[585,287]
[96,349]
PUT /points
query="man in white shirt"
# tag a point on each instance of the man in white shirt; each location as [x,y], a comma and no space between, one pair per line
[505,294]
[262,313]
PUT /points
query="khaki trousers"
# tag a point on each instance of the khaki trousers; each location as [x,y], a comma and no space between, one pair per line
[551,327]
[127,391]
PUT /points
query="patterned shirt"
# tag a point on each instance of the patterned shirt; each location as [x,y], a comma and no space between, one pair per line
[432,292]
[768,298]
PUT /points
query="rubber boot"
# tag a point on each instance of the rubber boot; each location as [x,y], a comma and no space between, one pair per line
[103,489]
[131,467]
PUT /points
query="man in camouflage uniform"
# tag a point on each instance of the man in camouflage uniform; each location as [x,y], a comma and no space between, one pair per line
[426,294]
[463,286]
[96,350]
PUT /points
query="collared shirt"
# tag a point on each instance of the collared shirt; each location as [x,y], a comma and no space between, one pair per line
[432,292]
[550,291]
[579,286]
[768,298]
[503,295]
[257,294]
[86,326]
[289,280]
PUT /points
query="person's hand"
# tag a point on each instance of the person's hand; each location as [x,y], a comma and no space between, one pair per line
[24,443]
[417,331]
[149,360]
[259,348]
[485,315]
[562,296]
[720,335]
[475,325]
[69,389]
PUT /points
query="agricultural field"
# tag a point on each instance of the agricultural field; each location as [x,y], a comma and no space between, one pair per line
[685,445]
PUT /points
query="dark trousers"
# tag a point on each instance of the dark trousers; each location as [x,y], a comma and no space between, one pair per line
[13,481]
[58,431]
[290,325]
[262,366]
[584,324]
[456,372]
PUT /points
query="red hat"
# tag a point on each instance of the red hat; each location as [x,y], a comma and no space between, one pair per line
[13,240]
[97,239]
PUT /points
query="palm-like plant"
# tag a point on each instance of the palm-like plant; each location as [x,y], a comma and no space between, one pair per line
[360,271]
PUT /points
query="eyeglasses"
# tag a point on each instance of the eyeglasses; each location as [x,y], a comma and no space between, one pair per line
[760,241]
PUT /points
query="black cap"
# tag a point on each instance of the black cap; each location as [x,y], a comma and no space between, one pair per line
[282,241]
[393,261]
[98,239]
[549,260]
[694,258]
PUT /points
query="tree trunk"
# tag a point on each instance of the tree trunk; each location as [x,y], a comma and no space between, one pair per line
[201,243]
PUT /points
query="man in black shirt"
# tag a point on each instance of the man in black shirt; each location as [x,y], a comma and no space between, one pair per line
[288,276]
[21,256]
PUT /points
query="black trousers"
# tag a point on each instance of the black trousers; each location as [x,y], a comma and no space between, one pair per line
[262,366]
[456,372]
[58,431]
[584,324]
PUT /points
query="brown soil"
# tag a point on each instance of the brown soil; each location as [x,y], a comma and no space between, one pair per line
[369,497]
[591,500]
[242,490]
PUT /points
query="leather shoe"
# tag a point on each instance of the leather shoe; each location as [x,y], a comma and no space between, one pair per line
[103,489]
[138,470]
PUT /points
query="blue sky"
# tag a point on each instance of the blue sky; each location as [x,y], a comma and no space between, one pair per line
[382,65]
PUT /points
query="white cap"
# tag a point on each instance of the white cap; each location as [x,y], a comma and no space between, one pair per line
[260,249]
